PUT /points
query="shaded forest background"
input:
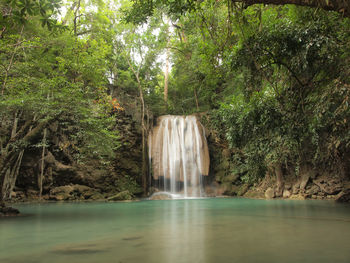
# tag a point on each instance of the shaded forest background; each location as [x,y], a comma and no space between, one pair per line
[83,81]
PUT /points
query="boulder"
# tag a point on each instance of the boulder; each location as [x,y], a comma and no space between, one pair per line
[161,196]
[286,194]
[8,211]
[295,187]
[220,176]
[343,196]
[269,193]
[297,197]
[125,195]
[287,186]
[32,194]
[231,178]
[242,189]
[97,196]
[313,190]
[230,189]
[304,180]
[72,192]
[330,186]
[61,193]
[255,194]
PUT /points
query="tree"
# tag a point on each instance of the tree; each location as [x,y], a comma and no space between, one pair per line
[143,9]
[52,78]
[140,47]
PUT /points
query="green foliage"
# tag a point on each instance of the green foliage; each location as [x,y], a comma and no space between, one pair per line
[72,76]
[58,78]
[20,12]
[290,110]
[275,79]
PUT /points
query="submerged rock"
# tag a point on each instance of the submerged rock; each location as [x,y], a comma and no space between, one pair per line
[80,249]
[8,211]
[132,238]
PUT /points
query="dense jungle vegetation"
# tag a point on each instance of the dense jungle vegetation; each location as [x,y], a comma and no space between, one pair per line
[272,80]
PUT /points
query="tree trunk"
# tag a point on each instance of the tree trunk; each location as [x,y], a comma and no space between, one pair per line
[280,182]
[143,129]
[144,146]
[9,175]
[41,176]
[166,77]
[166,73]
[196,98]
[7,70]
[11,158]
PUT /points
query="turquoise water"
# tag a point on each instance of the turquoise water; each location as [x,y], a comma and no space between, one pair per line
[204,230]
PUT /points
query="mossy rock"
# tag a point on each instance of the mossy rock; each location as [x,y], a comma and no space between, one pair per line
[230,189]
[97,196]
[231,178]
[242,189]
[125,195]
[252,193]
[224,165]
[220,176]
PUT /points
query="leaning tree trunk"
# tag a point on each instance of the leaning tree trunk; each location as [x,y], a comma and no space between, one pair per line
[9,173]
[11,157]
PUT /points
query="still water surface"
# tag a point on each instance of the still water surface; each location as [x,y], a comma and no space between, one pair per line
[203,230]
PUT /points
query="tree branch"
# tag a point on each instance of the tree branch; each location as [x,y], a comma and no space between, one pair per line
[340,6]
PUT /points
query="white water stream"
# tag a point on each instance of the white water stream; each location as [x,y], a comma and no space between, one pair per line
[179,155]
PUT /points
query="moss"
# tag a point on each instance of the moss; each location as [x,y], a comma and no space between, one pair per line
[125,195]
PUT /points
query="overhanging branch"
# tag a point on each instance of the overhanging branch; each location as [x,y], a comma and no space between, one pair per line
[340,6]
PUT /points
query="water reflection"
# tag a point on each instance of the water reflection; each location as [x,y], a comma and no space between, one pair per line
[183,232]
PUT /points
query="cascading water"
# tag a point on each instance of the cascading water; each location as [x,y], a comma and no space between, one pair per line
[179,155]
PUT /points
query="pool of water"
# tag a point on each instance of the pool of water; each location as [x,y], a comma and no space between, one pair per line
[203,230]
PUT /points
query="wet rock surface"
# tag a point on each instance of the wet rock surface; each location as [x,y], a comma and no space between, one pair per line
[66,180]
[161,196]
[125,195]
[74,192]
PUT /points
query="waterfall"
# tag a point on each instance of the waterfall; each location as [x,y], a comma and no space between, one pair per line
[178,155]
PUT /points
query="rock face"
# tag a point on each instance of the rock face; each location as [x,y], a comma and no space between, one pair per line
[280,182]
[64,179]
[179,153]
